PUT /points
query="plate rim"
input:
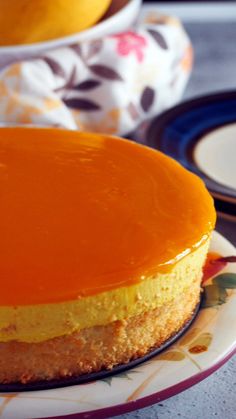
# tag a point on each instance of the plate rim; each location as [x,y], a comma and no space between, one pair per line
[111,411]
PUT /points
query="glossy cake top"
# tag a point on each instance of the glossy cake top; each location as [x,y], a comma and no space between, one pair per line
[82,213]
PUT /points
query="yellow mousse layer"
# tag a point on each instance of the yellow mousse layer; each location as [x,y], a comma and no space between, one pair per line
[36,323]
[93,229]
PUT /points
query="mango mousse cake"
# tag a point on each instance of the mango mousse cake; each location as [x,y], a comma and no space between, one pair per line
[101,253]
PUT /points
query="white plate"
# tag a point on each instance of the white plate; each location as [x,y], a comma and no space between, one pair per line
[215,155]
[197,354]
[121,14]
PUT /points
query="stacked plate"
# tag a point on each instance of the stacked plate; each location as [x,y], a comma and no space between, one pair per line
[201,135]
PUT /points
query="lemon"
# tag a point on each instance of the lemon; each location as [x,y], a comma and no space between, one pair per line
[30,21]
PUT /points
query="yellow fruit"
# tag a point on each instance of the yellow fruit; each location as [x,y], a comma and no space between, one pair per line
[30,21]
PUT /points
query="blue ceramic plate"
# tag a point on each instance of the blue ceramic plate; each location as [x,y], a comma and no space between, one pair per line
[201,135]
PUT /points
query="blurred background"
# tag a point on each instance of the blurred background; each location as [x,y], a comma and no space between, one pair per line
[211,26]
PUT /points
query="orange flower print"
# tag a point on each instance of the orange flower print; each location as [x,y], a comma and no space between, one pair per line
[130,42]
[187,61]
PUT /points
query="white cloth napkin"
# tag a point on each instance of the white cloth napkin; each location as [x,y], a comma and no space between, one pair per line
[107,85]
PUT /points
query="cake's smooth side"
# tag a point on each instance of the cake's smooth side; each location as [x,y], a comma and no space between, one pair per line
[38,323]
[98,347]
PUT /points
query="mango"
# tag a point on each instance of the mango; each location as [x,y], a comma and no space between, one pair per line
[30,21]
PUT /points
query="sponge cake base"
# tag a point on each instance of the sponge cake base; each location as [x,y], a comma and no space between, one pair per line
[99,347]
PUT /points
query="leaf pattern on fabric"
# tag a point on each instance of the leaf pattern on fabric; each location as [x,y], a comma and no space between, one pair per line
[133,111]
[55,66]
[109,58]
[94,48]
[147,98]
[88,84]
[69,85]
[159,38]
[77,49]
[105,72]
[72,78]
[81,103]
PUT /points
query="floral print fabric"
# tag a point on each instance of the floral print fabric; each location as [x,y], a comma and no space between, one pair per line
[111,85]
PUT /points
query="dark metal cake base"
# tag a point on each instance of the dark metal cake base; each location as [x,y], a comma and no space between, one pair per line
[86,378]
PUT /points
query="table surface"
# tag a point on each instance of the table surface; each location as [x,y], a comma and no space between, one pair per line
[214,70]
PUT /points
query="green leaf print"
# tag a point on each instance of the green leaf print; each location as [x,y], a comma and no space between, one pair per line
[226,280]
[213,296]
[123,374]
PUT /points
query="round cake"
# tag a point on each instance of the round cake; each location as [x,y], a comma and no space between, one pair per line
[102,247]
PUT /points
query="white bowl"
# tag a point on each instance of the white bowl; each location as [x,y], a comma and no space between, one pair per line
[120,15]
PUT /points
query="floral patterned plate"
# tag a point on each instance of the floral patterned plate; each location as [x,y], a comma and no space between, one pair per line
[192,358]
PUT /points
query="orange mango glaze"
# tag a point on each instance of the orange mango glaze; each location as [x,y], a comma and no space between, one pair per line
[82,213]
